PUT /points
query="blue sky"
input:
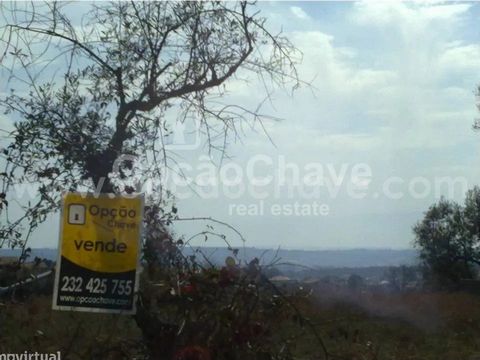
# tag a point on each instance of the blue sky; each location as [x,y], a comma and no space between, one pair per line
[394,88]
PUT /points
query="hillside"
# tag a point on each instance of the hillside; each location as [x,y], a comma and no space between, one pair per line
[313,258]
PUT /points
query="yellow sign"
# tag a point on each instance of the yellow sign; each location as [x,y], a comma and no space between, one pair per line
[102,234]
[99,252]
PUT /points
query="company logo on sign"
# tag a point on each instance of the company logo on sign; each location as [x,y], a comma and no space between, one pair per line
[76,214]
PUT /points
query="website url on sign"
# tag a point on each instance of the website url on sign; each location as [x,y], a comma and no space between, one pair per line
[92,300]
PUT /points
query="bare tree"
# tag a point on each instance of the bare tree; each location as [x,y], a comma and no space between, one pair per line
[89,89]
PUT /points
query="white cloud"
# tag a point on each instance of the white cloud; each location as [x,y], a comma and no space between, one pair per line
[458,57]
[403,14]
[299,12]
[394,104]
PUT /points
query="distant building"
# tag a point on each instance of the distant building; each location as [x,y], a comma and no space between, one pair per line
[285,283]
[280,278]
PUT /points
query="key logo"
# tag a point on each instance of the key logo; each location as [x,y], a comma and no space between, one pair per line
[76,214]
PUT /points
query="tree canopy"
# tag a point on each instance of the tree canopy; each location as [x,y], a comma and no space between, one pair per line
[89,91]
[449,239]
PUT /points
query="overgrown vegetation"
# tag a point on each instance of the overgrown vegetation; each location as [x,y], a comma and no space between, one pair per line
[416,326]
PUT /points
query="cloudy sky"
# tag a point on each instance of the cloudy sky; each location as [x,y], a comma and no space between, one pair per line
[394,88]
[388,116]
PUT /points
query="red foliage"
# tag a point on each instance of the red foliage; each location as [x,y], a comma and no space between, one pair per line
[192,353]
[188,289]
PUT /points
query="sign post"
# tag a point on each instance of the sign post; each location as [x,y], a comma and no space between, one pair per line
[99,250]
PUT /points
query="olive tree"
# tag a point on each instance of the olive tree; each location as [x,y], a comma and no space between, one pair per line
[88,89]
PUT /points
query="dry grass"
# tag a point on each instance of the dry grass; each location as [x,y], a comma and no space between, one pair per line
[33,326]
[356,327]
[414,326]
